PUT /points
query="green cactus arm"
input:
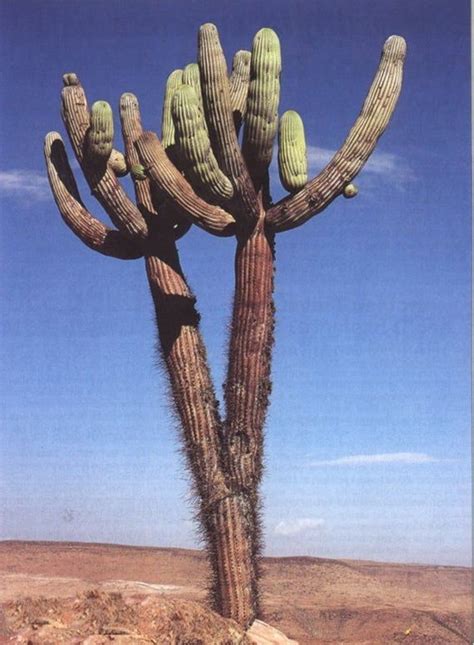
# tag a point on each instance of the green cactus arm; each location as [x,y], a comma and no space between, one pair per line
[192,77]
[100,135]
[194,150]
[102,181]
[376,112]
[175,79]
[239,85]
[170,181]
[292,158]
[66,195]
[219,118]
[261,118]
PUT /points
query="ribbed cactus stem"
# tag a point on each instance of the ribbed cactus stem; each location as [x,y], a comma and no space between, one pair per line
[102,180]
[87,228]
[191,76]
[220,121]
[239,85]
[292,158]
[225,517]
[360,142]
[100,136]
[175,80]
[193,147]
[167,179]
[261,119]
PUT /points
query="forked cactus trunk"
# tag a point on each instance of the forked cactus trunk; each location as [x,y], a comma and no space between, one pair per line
[198,174]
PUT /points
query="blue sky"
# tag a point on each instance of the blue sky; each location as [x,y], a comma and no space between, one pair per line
[368,436]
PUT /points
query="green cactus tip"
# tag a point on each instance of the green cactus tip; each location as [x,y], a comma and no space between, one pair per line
[101,132]
[138,172]
[292,159]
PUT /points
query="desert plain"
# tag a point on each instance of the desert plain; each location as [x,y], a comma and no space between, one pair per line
[58,592]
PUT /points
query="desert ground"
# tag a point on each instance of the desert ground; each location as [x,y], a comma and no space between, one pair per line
[54,592]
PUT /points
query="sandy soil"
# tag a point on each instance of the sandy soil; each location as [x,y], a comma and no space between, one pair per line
[311,600]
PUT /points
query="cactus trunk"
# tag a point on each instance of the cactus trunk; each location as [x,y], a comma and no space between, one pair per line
[226,516]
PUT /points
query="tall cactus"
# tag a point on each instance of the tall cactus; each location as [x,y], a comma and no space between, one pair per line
[198,174]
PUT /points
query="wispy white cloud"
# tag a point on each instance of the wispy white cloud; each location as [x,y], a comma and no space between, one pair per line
[21,184]
[384,458]
[298,526]
[381,165]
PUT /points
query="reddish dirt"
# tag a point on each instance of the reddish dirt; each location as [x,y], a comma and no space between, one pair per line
[55,592]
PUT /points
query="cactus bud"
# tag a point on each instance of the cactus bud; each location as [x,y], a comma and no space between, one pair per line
[70,79]
[101,132]
[117,163]
[138,172]
[292,161]
[350,190]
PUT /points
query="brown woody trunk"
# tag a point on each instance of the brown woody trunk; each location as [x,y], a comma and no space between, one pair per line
[227,517]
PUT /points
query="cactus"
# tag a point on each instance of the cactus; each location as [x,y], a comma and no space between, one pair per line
[224,454]
[194,148]
[292,160]
[175,79]
[101,132]
[261,117]
[239,85]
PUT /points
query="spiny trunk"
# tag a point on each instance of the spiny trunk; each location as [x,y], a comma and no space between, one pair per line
[227,518]
[248,383]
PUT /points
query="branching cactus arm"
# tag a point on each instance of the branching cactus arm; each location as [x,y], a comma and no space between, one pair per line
[357,148]
[101,178]
[90,230]
[218,108]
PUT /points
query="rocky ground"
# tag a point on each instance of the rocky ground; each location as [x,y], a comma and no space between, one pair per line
[91,593]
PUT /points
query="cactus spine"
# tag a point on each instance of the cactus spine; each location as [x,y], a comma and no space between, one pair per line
[292,160]
[101,132]
[224,454]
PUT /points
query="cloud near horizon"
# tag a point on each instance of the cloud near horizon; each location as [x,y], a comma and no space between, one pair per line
[384,458]
[298,526]
[21,183]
